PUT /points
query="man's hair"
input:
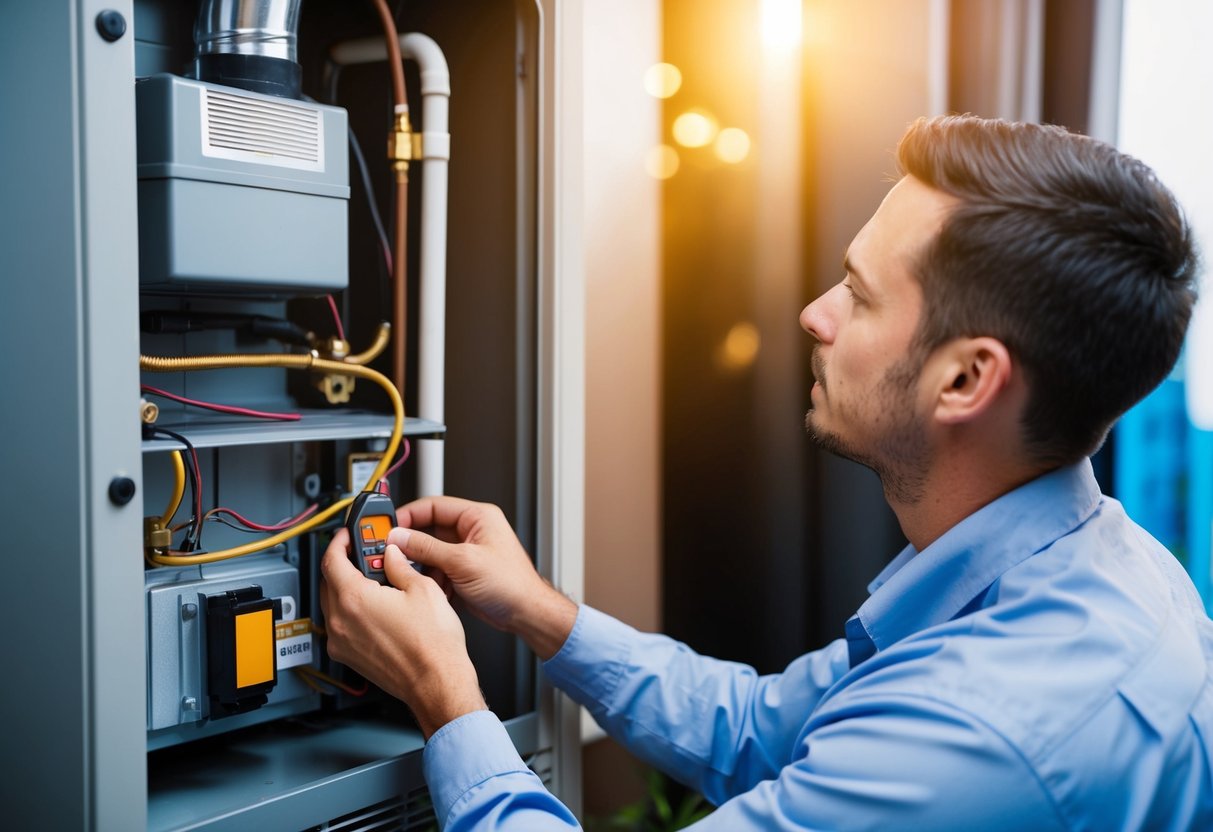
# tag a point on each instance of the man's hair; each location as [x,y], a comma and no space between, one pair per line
[1070,253]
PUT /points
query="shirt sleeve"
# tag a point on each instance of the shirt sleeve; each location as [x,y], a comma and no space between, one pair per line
[478,781]
[897,763]
[717,726]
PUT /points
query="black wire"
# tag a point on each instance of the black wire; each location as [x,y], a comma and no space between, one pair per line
[364,172]
[385,276]
[193,535]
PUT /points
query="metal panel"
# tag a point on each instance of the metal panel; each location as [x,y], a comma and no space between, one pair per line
[68,235]
[111,374]
[211,431]
[294,777]
[40,239]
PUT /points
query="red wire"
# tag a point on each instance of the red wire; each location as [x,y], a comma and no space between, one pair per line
[222,408]
[277,527]
[395,465]
[336,317]
[383,487]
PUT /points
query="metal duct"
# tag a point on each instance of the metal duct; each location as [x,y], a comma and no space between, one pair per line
[249,44]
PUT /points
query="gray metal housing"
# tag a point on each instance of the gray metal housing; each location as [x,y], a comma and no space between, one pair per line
[239,190]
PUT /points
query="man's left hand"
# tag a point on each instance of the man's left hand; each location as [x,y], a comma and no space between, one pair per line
[405,638]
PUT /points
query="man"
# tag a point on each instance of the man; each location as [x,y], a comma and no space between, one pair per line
[1032,659]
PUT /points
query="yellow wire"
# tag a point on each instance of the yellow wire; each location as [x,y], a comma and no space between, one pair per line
[308,680]
[174,502]
[158,364]
[308,670]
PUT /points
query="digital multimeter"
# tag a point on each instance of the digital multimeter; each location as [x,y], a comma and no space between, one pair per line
[371,516]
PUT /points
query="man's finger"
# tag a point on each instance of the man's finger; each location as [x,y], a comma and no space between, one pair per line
[435,511]
[338,571]
[423,548]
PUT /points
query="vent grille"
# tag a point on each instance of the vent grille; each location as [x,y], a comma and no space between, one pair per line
[265,132]
[414,812]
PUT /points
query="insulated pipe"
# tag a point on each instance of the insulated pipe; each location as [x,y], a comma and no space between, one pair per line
[435,155]
[249,44]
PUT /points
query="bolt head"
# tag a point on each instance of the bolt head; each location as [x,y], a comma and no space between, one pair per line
[111,25]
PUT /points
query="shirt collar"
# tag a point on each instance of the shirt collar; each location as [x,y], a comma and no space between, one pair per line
[920,589]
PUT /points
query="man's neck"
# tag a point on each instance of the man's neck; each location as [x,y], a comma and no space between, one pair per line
[958,485]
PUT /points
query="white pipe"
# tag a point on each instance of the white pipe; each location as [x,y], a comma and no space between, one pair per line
[435,155]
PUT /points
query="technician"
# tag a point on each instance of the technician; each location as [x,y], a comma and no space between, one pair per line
[1032,659]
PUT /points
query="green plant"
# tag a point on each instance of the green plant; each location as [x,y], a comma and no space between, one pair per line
[666,807]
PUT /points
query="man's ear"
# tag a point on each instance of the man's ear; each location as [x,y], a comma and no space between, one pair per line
[973,375]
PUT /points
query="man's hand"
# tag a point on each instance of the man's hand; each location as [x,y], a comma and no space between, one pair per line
[475,552]
[407,639]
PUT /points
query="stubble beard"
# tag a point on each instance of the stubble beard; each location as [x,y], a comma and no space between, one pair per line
[899,454]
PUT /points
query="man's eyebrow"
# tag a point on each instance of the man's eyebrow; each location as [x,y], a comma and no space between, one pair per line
[849,267]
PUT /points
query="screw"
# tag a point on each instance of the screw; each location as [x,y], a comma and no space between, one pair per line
[189,703]
[111,25]
[188,611]
[122,490]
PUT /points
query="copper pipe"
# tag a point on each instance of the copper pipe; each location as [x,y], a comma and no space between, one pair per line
[395,63]
[400,165]
[399,288]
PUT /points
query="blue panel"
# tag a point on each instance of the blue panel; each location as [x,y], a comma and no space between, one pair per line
[1200,511]
[1150,466]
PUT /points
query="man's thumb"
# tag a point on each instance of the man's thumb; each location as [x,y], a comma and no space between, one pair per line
[421,547]
[397,567]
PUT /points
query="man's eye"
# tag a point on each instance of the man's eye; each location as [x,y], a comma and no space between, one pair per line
[851,291]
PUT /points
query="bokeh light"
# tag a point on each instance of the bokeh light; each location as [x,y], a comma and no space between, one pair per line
[740,346]
[662,80]
[695,128]
[661,162]
[732,145]
[782,24]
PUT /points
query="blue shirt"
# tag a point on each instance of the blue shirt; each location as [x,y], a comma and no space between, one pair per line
[1044,665]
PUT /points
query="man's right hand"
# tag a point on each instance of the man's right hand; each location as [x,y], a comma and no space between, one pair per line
[481,559]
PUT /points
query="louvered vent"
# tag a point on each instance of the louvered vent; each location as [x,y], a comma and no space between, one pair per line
[266,132]
[415,811]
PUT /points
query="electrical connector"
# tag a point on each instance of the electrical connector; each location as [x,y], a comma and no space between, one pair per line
[149,412]
[157,538]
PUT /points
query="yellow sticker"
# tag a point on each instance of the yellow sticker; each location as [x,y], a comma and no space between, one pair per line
[254,648]
[290,629]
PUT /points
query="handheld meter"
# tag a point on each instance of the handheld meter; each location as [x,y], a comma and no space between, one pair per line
[371,516]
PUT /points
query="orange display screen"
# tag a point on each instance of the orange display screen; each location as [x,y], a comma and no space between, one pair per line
[375,528]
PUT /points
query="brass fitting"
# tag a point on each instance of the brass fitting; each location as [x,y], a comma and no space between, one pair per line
[157,539]
[148,411]
[332,348]
[336,387]
[400,143]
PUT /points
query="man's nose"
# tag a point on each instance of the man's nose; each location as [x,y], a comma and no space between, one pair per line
[815,320]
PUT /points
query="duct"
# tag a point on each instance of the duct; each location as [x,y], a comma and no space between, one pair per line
[250,44]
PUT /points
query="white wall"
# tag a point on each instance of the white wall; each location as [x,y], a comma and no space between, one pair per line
[1166,121]
[623,270]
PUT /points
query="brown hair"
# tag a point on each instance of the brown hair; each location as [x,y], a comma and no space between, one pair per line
[1071,253]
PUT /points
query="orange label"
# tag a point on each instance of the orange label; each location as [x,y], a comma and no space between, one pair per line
[254,648]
